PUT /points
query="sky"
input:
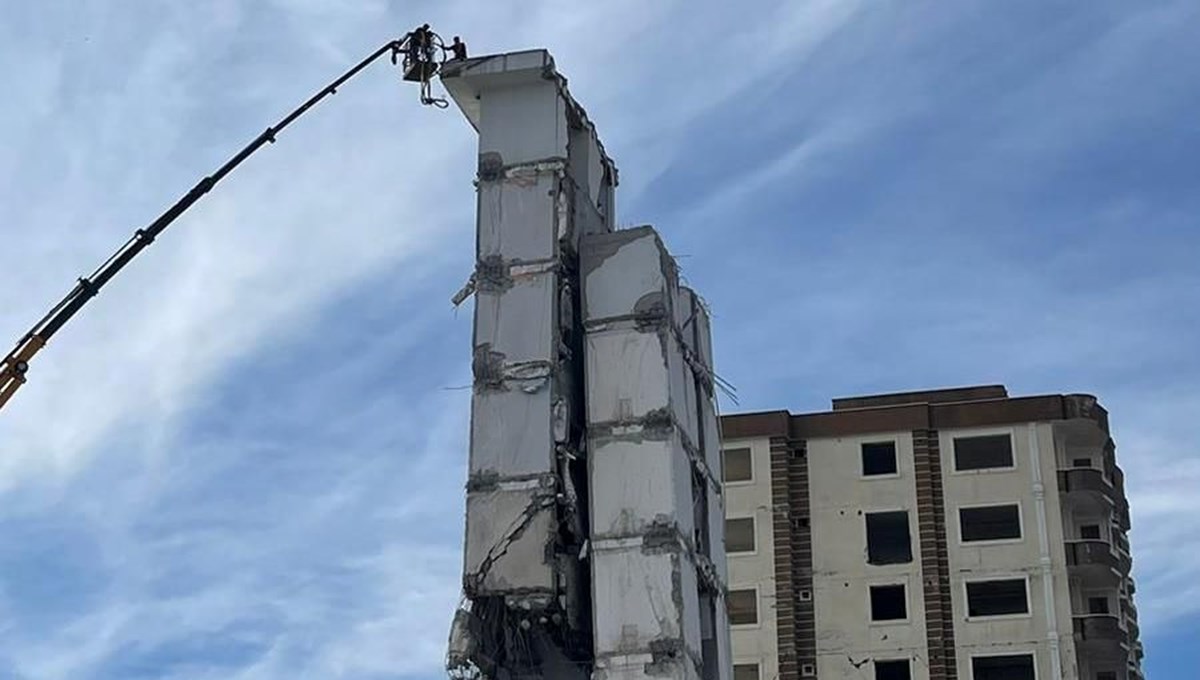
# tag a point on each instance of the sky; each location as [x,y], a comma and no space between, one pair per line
[245,459]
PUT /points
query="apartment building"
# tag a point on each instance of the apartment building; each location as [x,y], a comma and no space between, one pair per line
[939,535]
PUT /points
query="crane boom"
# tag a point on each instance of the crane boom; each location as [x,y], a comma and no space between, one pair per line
[16,364]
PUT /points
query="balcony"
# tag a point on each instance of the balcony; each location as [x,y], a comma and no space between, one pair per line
[1135,631]
[1131,622]
[1093,561]
[1128,606]
[1123,511]
[1086,480]
[1121,541]
[1121,546]
[1099,628]
[1091,553]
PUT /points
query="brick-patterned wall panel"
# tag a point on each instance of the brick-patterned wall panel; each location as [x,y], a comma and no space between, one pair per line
[794,615]
[785,609]
[802,557]
[935,560]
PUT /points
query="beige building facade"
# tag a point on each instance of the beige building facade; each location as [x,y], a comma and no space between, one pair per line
[935,535]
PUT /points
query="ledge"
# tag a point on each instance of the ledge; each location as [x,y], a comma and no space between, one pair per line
[1099,628]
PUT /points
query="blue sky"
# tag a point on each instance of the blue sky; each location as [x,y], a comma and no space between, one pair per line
[245,459]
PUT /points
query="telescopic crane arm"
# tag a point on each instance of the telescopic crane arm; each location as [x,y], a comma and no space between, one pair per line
[420,65]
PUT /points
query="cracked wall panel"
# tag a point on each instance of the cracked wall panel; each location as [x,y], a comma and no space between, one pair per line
[637,483]
[587,164]
[518,215]
[684,313]
[511,432]
[711,635]
[633,667]
[696,331]
[644,598]
[690,584]
[595,175]
[519,322]
[709,421]
[683,390]
[684,319]
[588,218]
[703,326]
[712,437]
[625,272]
[588,170]
[716,535]
[493,517]
[524,123]
[711,426]
[724,641]
[626,375]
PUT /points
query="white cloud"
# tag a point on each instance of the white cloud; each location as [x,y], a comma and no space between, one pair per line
[279,237]
[268,246]
[352,544]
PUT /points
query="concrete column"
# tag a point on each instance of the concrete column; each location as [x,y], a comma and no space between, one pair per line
[657,515]
[543,180]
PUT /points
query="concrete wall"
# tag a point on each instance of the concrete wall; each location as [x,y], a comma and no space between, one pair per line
[519,408]
[840,497]
[756,644]
[543,181]
[657,563]
[1042,536]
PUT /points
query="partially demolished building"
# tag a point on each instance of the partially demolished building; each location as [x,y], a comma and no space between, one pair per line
[594,526]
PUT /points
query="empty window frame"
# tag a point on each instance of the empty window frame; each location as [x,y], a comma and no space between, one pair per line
[879,458]
[743,607]
[888,539]
[739,535]
[983,452]
[738,465]
[1002,597]
[1090,532]
[1097,605]
[889,603]
[892,669]
[745,671]
[990,523]
[1006,667]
